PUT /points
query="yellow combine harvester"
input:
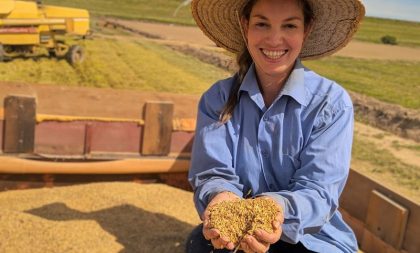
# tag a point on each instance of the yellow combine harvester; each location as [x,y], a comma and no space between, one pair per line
[26,26]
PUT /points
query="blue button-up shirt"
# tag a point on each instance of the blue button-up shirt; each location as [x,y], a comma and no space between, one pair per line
[297,151]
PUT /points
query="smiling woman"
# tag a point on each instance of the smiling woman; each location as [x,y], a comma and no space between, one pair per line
[275,129]
[275,35]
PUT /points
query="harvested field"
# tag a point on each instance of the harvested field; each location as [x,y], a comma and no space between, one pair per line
[98,217]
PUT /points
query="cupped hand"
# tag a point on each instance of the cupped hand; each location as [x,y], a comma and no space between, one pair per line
[261,240]
[213,234]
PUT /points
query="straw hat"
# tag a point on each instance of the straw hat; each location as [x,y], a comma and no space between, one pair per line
[335,22]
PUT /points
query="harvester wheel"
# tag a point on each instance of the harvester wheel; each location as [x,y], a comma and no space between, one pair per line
[51,52]
[1,53]
[75,55]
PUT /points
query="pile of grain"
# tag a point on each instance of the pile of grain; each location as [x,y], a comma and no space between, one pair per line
[99,217]
[235,219]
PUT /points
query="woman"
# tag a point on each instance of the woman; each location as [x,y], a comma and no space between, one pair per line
[276,129]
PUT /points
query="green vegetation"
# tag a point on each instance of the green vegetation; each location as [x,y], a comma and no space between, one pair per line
[379,136]
[398,146]
[373,29]
[119,64]
[382,161]
[153,10]
[396,82]
[390,40]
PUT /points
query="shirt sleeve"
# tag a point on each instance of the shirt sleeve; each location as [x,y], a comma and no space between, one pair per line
[313,193]
[211,170]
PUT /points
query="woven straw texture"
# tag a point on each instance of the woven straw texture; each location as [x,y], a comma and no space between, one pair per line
[335,23]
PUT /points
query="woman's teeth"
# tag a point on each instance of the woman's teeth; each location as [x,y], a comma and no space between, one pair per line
[273,54]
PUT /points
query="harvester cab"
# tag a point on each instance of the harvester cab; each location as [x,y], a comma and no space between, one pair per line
[28,26]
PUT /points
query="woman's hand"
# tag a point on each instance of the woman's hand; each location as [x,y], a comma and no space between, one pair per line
[213,234]
[261,240]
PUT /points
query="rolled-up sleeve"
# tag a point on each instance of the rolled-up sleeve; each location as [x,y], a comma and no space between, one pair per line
[312,196]
[211,170]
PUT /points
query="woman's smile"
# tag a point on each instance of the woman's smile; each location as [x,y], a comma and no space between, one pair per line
[273,55]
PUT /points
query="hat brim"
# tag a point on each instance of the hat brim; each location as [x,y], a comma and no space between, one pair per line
[334,24]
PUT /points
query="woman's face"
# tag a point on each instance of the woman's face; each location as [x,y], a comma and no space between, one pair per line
[275,32]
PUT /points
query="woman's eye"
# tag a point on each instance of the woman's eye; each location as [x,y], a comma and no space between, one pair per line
[260,24]
[290,26]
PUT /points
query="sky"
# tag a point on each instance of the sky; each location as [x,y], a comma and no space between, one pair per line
[393,9]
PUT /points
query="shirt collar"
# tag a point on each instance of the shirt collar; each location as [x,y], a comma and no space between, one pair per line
[250,85]
[294,86]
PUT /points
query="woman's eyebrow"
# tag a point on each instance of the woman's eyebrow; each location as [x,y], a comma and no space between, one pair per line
[260,16]
[292,18]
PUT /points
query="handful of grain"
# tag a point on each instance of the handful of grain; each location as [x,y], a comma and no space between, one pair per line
[235,219]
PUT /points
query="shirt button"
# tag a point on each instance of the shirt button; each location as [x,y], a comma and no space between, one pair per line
[265,118]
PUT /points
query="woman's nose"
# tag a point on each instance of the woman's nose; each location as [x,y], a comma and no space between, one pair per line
[275,37]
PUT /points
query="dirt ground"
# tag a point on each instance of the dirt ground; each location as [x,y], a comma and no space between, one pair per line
[390,142]
[397,146]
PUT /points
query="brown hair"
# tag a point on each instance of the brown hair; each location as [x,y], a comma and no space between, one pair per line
[244,59]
